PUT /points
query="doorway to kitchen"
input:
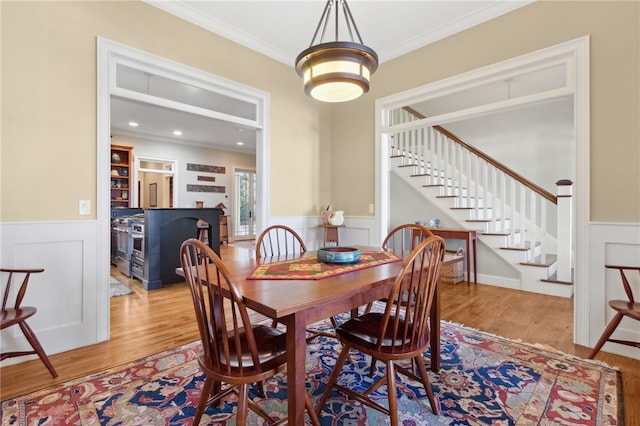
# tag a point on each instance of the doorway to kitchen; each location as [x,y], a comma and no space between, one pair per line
[136,78]
[244,217]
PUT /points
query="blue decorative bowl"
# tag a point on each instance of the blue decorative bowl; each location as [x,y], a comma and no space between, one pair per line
[338,255]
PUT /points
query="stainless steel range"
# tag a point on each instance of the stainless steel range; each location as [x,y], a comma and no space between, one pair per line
[122,231]
[137,247]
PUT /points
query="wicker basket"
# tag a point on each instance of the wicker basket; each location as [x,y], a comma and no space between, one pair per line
[453,272]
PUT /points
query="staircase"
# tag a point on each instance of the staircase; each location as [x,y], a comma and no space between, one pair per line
[526,226]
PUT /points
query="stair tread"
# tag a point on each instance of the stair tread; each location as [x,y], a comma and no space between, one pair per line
[548,260]
[553,279]
[523,247]
[407,165]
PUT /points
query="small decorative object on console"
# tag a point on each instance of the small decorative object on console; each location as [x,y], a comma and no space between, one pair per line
[434,222]
[336,218]
[341,255]
[325,215]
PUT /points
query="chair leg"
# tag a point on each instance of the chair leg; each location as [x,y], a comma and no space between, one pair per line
[392,393]
[372,367]
[242,412]
[334,377]
[207,388]
[35,344]
[419,362]
[606,334]
[312,412]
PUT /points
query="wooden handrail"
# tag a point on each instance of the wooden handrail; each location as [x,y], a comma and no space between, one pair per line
[535,188]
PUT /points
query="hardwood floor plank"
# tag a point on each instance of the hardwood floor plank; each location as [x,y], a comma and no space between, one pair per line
[143,323]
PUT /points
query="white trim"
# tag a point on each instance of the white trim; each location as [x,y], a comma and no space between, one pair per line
[71,281]
[109,54]
[618,244]
[575,54]
[173,173]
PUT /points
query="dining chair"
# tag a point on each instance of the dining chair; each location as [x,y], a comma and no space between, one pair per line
[18,315]
[624,308]
[401,241]
[399,333]
[280,240]
[234,351]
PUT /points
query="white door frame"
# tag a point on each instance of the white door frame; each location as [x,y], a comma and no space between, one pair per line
[575,54]
[235,213]
[109,54]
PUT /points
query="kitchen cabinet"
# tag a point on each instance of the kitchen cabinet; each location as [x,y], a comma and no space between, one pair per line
[121,157]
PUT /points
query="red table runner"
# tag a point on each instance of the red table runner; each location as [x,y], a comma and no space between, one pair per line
[309,268]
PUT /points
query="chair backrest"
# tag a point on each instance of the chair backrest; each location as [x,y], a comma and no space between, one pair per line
[23,287]
[405,325]
[403,239]
[221,314]
[625,279]
[278,240]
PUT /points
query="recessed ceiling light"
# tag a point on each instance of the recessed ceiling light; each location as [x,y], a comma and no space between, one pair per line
[133,124]
[240,143]
[177,132]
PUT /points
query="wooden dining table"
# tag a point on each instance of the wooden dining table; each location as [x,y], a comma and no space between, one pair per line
[299,303]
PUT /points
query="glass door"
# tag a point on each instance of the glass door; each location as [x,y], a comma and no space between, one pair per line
[244,223]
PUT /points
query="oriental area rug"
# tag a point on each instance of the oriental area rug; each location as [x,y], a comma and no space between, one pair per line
[484,380]
[310,268]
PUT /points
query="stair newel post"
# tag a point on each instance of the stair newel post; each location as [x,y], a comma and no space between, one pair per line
[565,230]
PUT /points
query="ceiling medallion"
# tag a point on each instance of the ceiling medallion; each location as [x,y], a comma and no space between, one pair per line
[336,71]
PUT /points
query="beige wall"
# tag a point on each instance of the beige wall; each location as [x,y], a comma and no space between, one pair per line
[49,103]
[614,30]
[319,153]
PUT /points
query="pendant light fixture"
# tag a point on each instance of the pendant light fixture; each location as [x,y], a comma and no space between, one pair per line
[336,71]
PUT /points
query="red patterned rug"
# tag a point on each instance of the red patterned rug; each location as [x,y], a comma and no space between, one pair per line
[484,380]
[310,268]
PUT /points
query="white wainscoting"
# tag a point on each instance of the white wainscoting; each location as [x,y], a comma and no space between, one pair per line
[72,295]
[357,230]
[72,300]
[616,244]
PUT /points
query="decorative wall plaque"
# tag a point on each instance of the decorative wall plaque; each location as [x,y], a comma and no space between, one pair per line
[207,178]
[205,188]
[205,168]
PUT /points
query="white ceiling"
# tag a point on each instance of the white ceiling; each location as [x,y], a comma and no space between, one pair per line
[281,30]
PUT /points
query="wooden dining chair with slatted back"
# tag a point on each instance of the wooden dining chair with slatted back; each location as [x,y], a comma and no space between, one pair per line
[628,308]
[399,333]
[234,351]
[401,241]
[280,241]
[18,315]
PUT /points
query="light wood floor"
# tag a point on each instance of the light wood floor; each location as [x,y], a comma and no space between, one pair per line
[144,323]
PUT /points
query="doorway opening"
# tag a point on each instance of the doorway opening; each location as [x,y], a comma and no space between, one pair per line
[244,218]
[155,183]
[573,59]
[129,75]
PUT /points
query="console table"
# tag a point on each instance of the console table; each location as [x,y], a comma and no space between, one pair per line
[469,236]
[331,234]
